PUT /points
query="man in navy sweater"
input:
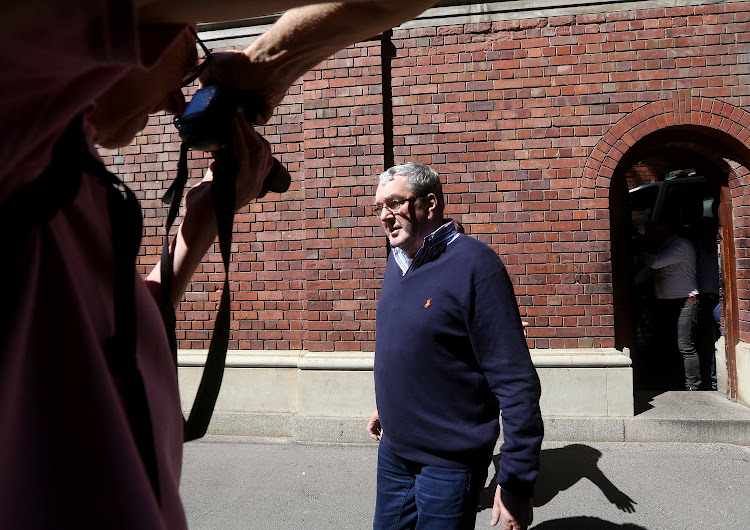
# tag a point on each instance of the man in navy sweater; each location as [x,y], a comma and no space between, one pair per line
[450,354]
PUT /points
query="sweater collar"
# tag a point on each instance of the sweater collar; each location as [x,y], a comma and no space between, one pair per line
[434,245]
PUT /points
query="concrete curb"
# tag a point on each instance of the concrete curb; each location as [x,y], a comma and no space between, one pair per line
[352,430]
[688,417]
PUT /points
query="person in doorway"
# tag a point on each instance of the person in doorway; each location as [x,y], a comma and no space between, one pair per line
[673,260]
[75,451]
[707,267]
[450,354]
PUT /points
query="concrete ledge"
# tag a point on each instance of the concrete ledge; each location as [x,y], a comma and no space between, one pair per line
[584,429]
[335,393]
[337,361]
[585,382]
[479,12]
[355,360]
[331,430]
[742,352]
[694,417]
[243,32]
[249,424]
[687,430]
[580,358]
[244,358]
[557,429]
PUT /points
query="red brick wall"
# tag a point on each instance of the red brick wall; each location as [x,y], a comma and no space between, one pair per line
[509,113]
[641,173]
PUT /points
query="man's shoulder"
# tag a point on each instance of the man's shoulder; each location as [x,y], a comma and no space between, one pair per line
[682,243]
[472,244]
[477,255]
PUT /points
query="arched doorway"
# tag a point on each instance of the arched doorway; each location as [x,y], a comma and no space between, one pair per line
[679,172]
[714,137]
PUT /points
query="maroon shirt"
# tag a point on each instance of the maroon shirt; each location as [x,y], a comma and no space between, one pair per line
[67,457]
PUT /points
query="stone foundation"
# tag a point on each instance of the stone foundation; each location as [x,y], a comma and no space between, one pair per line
[328,396]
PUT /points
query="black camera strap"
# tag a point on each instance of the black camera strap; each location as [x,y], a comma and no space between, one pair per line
[206,125]
[127,226]
[36,204]
[224,197]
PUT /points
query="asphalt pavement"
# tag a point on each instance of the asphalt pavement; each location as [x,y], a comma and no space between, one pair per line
[266,484]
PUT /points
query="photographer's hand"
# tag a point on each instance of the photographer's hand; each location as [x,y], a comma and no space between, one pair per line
[301,39]
[198,229]
[253,154]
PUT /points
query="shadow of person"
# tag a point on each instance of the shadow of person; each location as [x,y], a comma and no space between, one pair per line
[561,468]
[585,523]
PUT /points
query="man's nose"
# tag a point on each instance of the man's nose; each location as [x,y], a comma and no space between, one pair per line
[175,103]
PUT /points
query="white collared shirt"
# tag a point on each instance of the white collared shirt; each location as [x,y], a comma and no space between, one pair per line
[446,234]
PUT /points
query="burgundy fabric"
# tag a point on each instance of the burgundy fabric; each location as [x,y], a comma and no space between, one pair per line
[67,458]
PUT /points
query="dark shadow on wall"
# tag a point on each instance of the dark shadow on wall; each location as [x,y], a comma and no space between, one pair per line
[584,523]
[560,469]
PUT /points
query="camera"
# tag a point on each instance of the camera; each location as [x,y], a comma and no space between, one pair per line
[206,125]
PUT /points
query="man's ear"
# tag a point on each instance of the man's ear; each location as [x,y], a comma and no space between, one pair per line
[432,208]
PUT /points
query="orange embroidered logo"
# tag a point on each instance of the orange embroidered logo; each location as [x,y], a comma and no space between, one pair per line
[427,303]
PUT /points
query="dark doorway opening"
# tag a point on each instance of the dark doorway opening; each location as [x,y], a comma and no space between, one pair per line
[680,174]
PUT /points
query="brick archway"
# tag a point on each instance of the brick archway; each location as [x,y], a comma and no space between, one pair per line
[712,128]
[682,110]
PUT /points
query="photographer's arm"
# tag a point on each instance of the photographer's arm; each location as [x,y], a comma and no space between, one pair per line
[197,232]
[298,41]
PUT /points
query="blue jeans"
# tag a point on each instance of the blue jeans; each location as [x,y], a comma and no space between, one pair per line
[414,495]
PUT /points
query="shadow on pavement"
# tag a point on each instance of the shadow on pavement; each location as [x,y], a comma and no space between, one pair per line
[560,469]
[584,523]
[642,400]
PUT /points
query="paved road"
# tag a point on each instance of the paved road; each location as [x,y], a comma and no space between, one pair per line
[245,483]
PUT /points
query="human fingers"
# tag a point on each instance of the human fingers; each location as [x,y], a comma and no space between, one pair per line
[516,512]
[235,69]
[373,426]
[254,161]
[497,506]
[229,68]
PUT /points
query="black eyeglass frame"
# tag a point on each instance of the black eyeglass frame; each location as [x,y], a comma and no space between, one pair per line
[195,74]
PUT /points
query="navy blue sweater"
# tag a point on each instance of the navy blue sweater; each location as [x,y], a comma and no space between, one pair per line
[450,353]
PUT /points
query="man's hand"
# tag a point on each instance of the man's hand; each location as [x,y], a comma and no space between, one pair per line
[517,513]
[373,426]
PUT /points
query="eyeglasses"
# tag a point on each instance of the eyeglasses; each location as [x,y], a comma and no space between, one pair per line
[392,205]
[200,65]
